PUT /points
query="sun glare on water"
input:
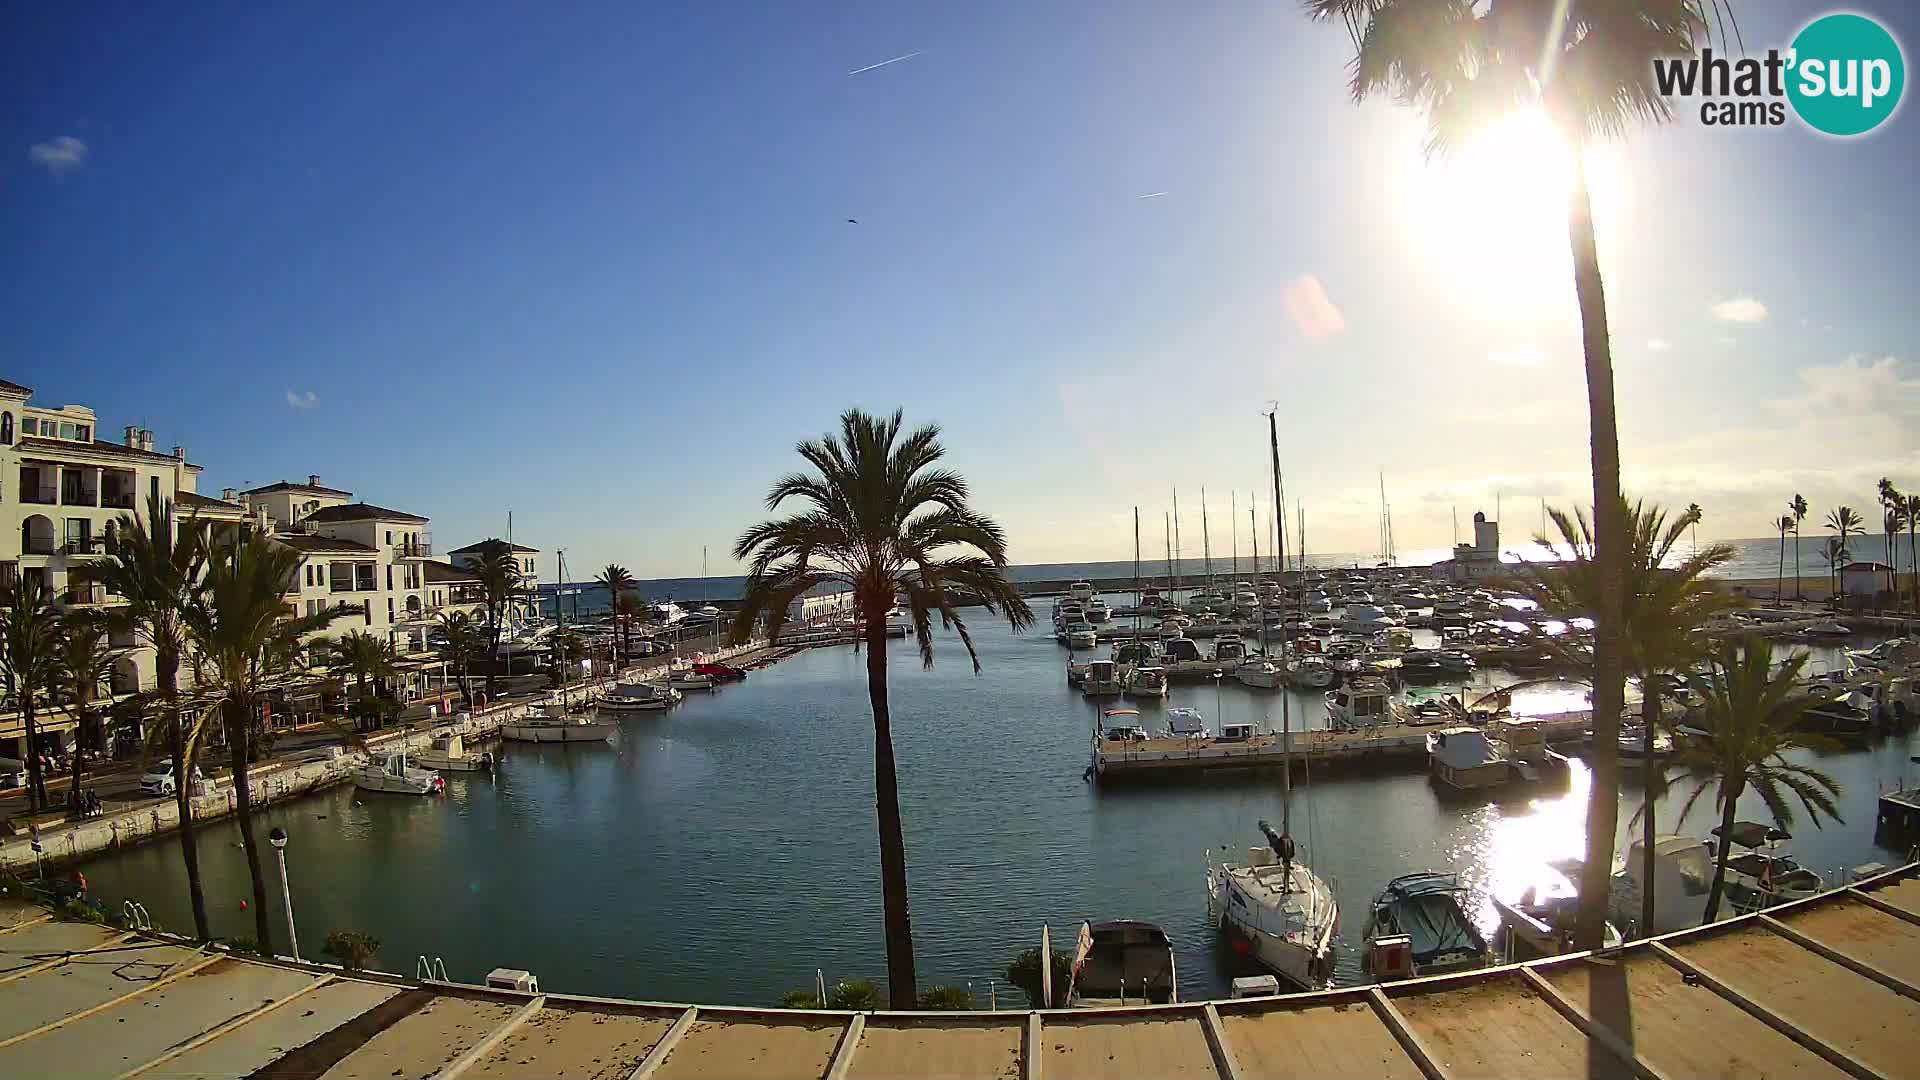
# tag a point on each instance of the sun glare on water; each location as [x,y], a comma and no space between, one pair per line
[1490,216]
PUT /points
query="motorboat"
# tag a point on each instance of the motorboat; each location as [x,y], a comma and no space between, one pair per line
[1186,724]
[1260,674]
[1277,911]
[1420,926]
[1152,603]
[720,672]
[1365,702]
[449,753]
[1101,679]
[1541,922]
[1122,725]
[637,697]
[1846,715]
[1147,682]
[545,724]
[1828,629]
[393,775]
[1081,635]
[689,679]
[1681,879]
[1633,743]
[1098,612]
[1892,655]
[1508,750]
[1762,876]
[1228,649]
[1312,673]
[1081,591]
[1181,650]
[1124,962]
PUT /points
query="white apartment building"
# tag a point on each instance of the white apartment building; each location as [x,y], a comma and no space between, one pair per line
[370,558]
[61,491]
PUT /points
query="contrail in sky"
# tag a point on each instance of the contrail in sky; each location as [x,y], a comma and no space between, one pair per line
[884,63]
[1150,195]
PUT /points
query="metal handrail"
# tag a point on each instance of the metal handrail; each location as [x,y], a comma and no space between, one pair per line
[430,970]
[136,915]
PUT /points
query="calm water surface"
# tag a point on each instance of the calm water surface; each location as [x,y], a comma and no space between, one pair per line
[724,850]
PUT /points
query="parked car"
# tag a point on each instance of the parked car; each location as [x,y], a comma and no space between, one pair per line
[159,780]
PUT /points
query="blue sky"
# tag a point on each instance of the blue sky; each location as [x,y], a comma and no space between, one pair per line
[592,265]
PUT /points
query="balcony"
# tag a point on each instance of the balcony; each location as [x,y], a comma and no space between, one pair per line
[85,545]
[87,595]
[117,500]
[417,549]
[77,496]
[39,496]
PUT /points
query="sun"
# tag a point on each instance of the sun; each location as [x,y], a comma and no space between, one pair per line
[1490,216]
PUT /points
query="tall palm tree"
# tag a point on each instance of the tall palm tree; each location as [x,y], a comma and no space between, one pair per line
[1785,525]
[366,657]
[155,563]
[29,665]
[1694,514]
[1837,555]
[1844,522]
[242,630]
[631,610]
[464,641]
[1588,66]
[882,519]
[1661,619]
[618,583]
[1893,507]
[1912,509]
[498,571]
[1751,720]
[84,661]
[1799,509]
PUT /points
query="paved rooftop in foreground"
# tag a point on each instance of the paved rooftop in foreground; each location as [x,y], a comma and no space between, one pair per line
[1828,987]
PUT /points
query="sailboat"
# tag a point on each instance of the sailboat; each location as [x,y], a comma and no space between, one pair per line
[707,611]
[1273,906]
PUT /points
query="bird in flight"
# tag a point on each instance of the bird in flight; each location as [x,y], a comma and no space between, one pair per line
[884,63]
[853,221]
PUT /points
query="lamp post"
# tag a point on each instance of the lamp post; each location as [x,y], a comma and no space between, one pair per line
[278,838]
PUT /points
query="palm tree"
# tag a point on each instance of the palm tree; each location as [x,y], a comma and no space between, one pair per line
[567,648]
[1785,524]
[1912,509]
[1751,719]
[464,642]
[155,565]
[84,660]
[618,582]
[29,664]
[1660,622]
[242,630]
[1799,509]
[497,570]
[1846,523]
[365,656]
[631,609]
[1893,507]
[881,519]
[1837,555]
[1693,515]
[1588,65]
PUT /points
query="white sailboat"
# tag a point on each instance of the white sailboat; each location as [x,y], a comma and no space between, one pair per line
[392,774]
[1274,904]
[550,725]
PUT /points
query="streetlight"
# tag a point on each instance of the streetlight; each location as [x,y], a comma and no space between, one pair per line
[278,838]
[1219,717]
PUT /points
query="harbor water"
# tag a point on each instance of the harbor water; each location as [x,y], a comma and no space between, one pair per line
[725,850]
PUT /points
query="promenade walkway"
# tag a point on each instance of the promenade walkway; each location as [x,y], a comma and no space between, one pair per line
[1827,987]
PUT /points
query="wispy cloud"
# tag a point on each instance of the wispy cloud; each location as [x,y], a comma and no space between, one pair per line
[1313,312]
[1744,309]
[884,63]
[1150,195]
[302,399]
[1658,344]
[62,154]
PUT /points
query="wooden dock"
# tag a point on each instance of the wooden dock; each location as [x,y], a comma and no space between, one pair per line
[1389,745]
[1826,987]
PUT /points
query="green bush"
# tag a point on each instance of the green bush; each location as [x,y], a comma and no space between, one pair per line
[244,945]
[79,910]
[1024,973]
[946,998]
[856,995]
[354,949]
[800,999]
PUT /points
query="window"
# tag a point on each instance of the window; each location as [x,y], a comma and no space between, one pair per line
[67,431]
[153,487]
[6,429]
[85,433]
[389,576]
[389,536]
[389,609]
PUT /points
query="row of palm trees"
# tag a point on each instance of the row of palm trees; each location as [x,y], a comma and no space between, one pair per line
[1897,511]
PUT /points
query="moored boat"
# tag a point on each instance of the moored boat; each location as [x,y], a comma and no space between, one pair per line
[392,774]
[636,697]
[449,753]
[546,725]
[1122,962]
[1420,926]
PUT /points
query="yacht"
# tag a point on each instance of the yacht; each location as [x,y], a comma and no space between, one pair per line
[1420,927]
[1082,635]
[1147,682]
[1081,591]
[1228,649]
[1101,679]
[1365,619]
[1152,603]
[1508,751]
[1260,674]
[1277,911]
[1312,673]
[546,724]
[449,753]
[1365,702]
[392,774]
[1122,963]
[1098,612]
[1122,725]
[637,697]
[1181,650]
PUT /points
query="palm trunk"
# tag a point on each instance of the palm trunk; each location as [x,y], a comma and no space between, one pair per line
[902,991]
[1779,577]
[36,783]
[235,713]
[1727,814]
[168,673]
[1652,776]
[1609,675]
[1796,562]
[79,731]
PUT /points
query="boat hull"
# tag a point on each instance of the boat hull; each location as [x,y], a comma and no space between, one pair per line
[1305,964]
[556,733]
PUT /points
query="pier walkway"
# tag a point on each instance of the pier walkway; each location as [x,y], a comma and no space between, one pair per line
[1826,987]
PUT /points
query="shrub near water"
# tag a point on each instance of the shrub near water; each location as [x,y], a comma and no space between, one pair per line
[354,949]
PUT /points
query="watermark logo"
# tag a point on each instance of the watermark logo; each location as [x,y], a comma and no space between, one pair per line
[1843,75]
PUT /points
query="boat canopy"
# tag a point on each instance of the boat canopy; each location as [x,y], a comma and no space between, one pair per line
[1186,722]
[1753,834]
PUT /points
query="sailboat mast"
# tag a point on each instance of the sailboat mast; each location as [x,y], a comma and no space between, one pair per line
[1176,545]
[1137,595]
[1286,724]
[1233,518]
[1167,529]
[1253,531]
[1206,541]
